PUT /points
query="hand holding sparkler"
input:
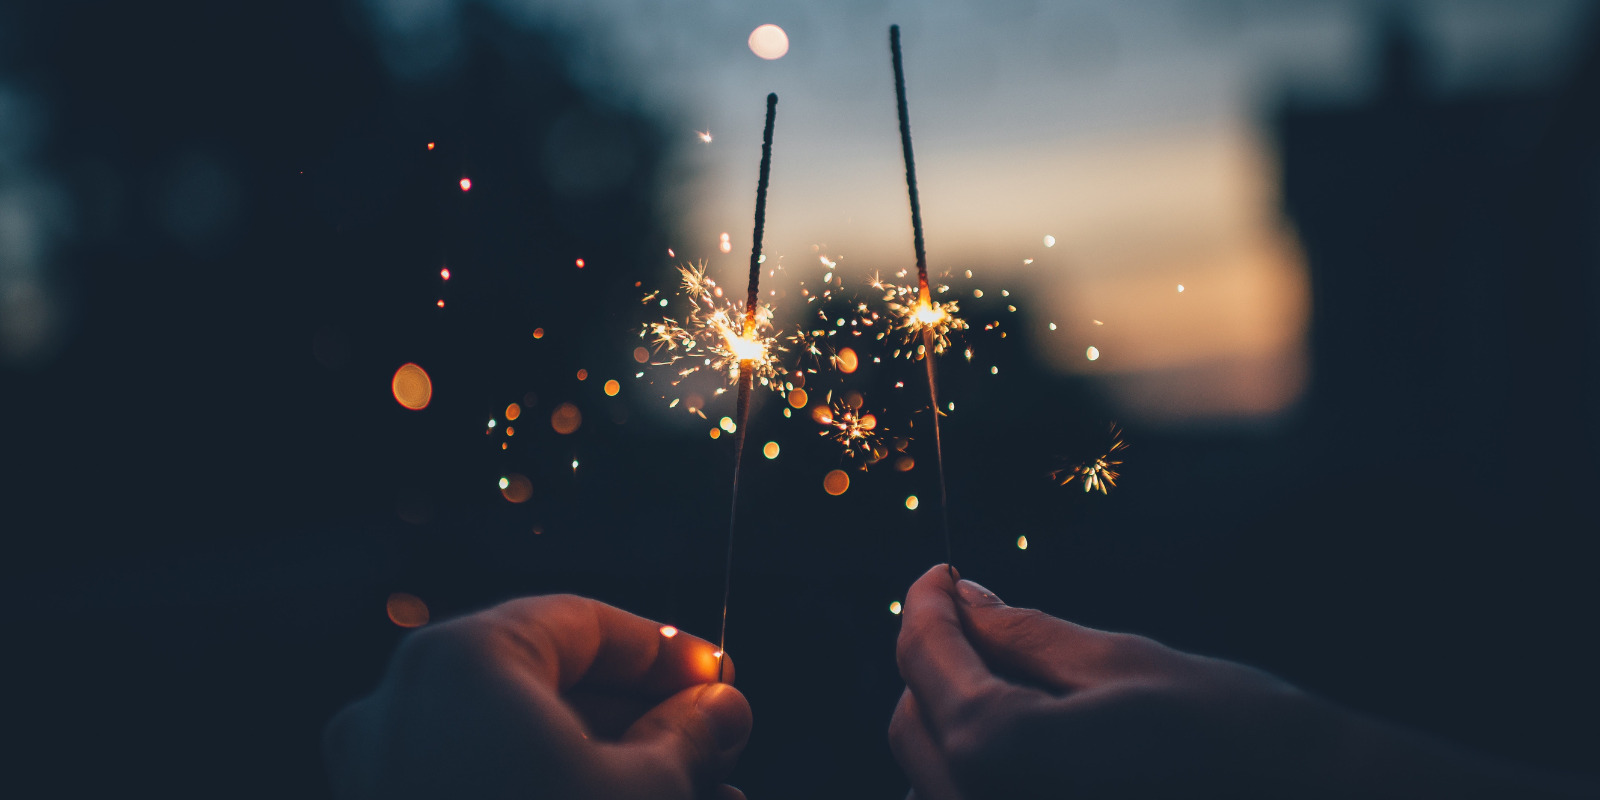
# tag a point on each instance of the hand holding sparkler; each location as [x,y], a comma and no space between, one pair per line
[1014,703]
[556,696]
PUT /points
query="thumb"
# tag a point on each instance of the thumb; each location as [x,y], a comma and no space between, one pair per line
[691,740]
[1030,644]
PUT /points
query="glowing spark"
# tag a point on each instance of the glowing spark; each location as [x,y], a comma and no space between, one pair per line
[1098,473]
[466,184]
[580,263]
[445,273]
[913,314]
[430,145]
[668,631]
[705,135]
[712,336]
[852,429]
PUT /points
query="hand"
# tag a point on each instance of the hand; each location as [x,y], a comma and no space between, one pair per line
[1010,702]
[556,696]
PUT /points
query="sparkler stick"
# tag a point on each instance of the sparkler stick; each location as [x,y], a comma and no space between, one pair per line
[924,300]
[746,370]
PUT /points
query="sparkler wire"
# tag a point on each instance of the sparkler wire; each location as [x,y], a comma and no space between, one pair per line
[746,371]
[922,274]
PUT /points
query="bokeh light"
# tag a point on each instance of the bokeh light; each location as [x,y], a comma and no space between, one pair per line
[583,374]
[1022,542]
[847,360]
[466,184]
[641,355]
[895,607]
[770,450]
[407,610]
[538,333]
[798,398]
[668,631]
[513,411]
[566,418]
[836,482]
[612,387]
[1092,353]
[516,488]
[412,387]
[769,42]
[911,502]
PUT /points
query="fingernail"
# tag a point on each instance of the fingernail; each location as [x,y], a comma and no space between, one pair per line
[727,713]
[975,595]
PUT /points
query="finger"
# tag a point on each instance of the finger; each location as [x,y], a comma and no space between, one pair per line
[726,792]
[917,754]
[569,639]
[1035,647]
[685,746]
[949,679]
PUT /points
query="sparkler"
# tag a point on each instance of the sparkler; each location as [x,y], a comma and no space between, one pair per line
[925,317]
[749,352]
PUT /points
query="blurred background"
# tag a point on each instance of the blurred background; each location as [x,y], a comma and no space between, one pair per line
[1329,264]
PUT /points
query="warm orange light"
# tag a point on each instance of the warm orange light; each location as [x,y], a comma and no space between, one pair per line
[668,631]
[580,263]
[868,422]
[406,610]
[517,488]
[1022,542]
[612,387]
[513,411]
[895,607]
[445,273]
[466,184]
[641,355]
[798,398]
[412,387]
[430,145]
[583,374]
[770,450]
[904,463]
[847,360]
[566,418]
[510,431]
[716,433]
[440,303]
[822,414]
[836,482]
[911,502]
[538,333]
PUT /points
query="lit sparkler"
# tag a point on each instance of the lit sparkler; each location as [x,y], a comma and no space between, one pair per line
[1096,473]
[747,355]
[926,316]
